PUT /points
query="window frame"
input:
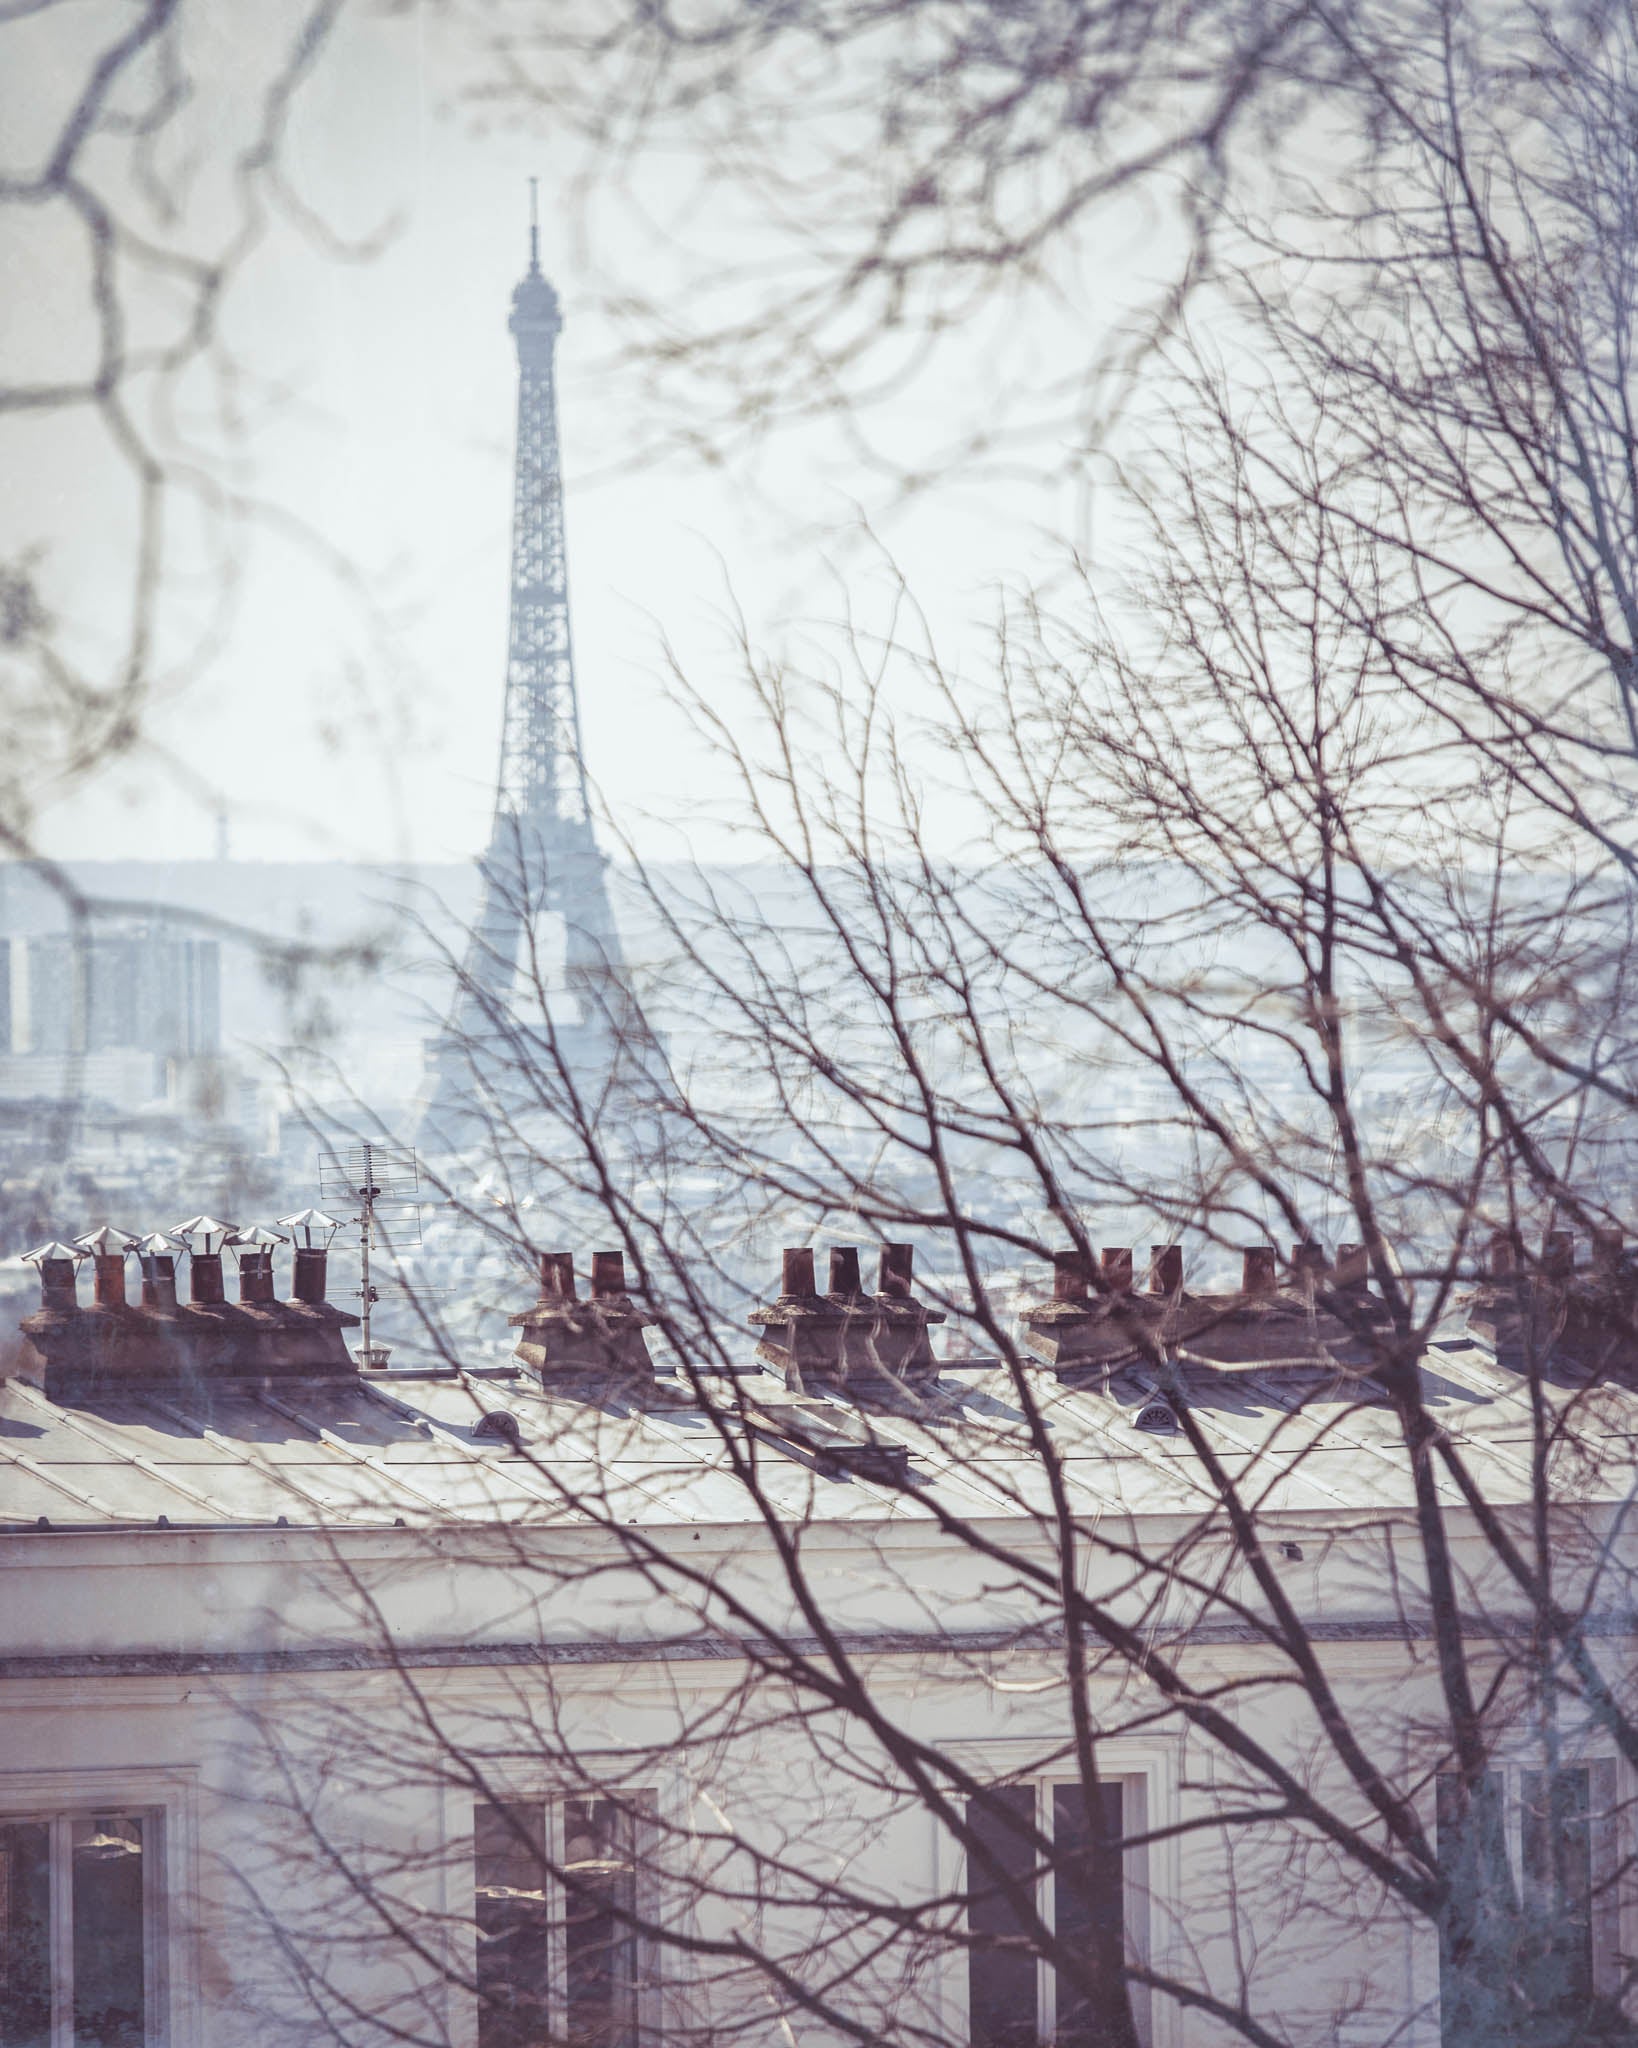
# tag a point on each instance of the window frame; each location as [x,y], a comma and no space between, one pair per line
[644,1804]
[1151,1871]
[1609,1786]
[167,1804]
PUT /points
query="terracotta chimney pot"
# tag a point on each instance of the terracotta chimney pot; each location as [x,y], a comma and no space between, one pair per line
[1165,1269]
[557,1276]
[897,1271]
[1069,1277]
[844,1270]
[1117,1268]
[608,1275]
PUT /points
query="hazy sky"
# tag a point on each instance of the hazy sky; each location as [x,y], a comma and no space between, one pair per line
[383,419]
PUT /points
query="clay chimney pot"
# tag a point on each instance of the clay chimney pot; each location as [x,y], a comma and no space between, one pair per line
[608,1275]
[1069,1277]
[557,1276]
[1165,1269]
[896,1273]
[1558,1255]
[307,1281]
[844,1270]
[796,1271]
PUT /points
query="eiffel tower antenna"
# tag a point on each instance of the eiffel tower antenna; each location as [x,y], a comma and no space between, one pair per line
[542,855]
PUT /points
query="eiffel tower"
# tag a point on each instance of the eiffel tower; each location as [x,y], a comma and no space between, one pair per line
[543,855]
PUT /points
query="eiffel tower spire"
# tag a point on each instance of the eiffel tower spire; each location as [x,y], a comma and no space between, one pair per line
[543,854]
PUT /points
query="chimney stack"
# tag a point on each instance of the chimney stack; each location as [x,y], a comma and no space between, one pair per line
[1259,1269]
[1607,1247]
[108,1249]
[205,1278]
[108,1279]
[599,1340]
[845,1280]
[847,1336]
[896,1272]
[608,1276]
[56,1263]
[204,1258]
[1353,1268]
[308,1275]
[311,1231]
[1558,1254]
[256,1278]
[1117,1268]
[557,1276]
[116,1343]
[1069,1277]
[796,1281]
[1165,1269]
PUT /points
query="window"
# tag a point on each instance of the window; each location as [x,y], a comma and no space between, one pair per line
[1015,1997]
[556,1909]
[1545,1841]
[78,1912]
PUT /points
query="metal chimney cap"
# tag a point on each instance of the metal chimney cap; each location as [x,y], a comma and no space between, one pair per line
[107,1242]
[305,1223]
[158,1244]
[206,1227]
[44,1254]
[258,1238]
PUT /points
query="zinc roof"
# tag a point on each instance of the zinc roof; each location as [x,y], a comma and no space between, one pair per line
[390,1449]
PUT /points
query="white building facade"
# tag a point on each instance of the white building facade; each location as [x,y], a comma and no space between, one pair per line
[594,1703]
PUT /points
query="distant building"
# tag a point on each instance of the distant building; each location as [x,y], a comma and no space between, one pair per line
[138,988]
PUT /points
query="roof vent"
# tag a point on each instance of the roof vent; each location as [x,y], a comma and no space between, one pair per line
[1156,1418]
[500,1423]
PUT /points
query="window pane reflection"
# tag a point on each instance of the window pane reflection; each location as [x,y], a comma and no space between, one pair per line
[25,1935]
[109,1991]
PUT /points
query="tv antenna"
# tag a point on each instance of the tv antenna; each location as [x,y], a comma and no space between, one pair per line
[382,1184]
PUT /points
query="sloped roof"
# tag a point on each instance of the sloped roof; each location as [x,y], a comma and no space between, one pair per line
[379,1450]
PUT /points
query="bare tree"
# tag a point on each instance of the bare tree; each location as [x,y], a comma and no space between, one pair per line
[1291,903]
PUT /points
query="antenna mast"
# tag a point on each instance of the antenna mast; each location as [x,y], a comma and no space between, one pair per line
[385,1182]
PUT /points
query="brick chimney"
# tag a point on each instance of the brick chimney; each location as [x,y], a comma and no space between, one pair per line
[72,1350]
[802,1331]
[599,1341]
[869,1344]
[890,1335]
[1082,1326]
[1259,1269]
